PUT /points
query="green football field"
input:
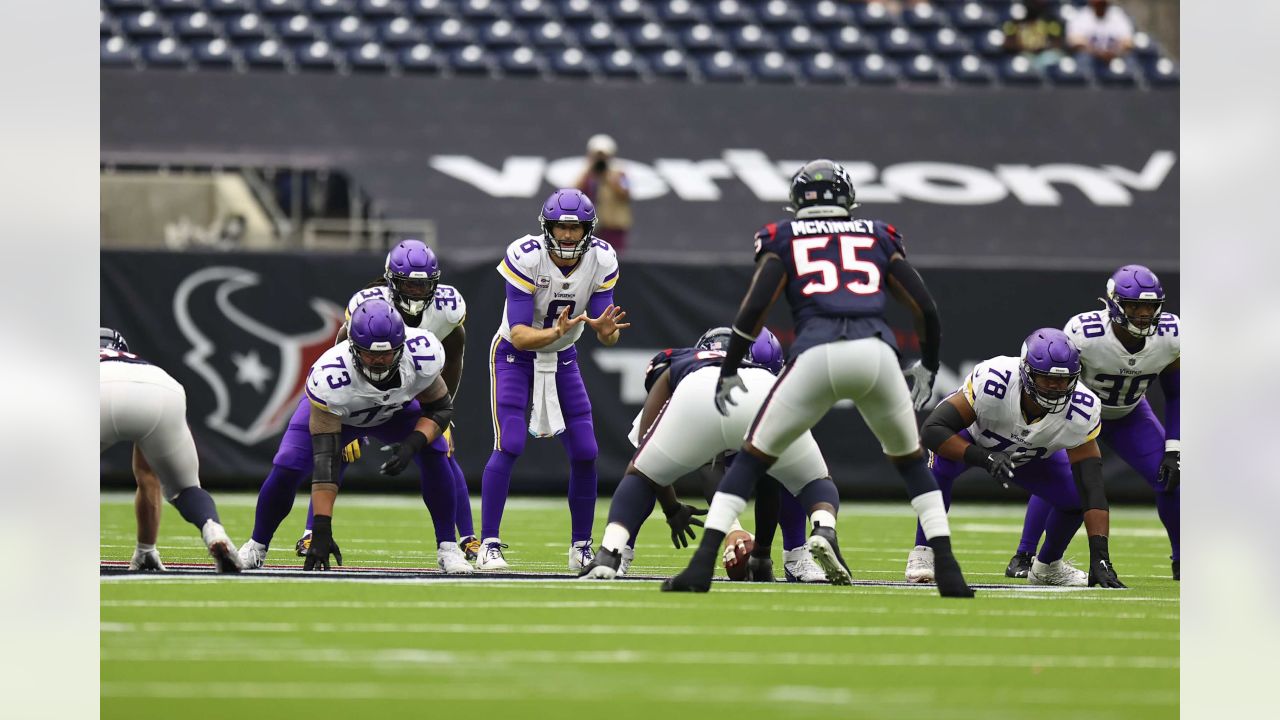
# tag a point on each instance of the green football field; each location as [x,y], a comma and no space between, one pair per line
[238,648]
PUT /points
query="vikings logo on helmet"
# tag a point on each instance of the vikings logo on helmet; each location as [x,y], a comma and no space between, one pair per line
[230,348]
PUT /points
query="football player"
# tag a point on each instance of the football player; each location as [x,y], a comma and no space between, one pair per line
[1025,419]
[681,432]
[144,405]
[1123,349]
[384,381]
[557,284]
[411,282]
[835,270]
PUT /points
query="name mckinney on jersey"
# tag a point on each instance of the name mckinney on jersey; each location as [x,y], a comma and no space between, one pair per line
[831,227]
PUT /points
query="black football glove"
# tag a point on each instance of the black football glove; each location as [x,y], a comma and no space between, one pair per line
[681,519]
[1170,469]
[1000,465]
[322,544]
[724,392]
[1101,572]
[404,452]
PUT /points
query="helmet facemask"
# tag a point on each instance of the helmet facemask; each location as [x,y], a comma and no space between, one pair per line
[378,362]
[1136,324]
[558,248]
[412,292]
[1053,397]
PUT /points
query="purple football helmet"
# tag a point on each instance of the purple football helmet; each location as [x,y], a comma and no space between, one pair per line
[412,272]
[376,337]
[111,340]
[1138,287]
[1050,368]
[765,351]
[568,205]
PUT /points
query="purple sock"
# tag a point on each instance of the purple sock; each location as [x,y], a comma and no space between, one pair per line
[494,487]
[462,501]
[1167,506]
[1058,531]
[275,500]
[1033,524]
[436,481]
[582,498]
[793,521]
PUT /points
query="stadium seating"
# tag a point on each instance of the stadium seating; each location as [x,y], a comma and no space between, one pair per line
[769,41]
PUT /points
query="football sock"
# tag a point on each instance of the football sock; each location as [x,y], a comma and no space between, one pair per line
[932,514]
[1033,524]
[196,506]
[767,512]
[793,521]
[1058,531]
[435,479]
[1167,507]
[582,497]
[462,500]
[615,536]
[725,508]
[822,490]
[632,503]
[916,476]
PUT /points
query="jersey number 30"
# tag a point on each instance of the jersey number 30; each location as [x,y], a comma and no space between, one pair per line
[828,274]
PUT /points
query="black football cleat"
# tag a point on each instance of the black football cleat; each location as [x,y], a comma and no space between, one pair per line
[689,580]
[604,566]
[826,552]
[759,569]
[1019,565]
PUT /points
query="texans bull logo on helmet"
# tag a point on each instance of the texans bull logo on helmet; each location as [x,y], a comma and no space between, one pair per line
[256,372]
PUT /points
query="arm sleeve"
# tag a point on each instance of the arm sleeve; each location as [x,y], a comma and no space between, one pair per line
[1171,383]
[906,275]
[598,302]
[941,424]
[1088,476]
[770,272]
[519,307]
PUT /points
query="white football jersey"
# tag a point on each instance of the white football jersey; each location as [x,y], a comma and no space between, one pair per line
[995,391]
[529,268]
[335,386]
[1118,377]
[446,312]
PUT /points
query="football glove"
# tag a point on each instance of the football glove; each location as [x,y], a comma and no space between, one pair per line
[724,392]
[148,560]
[322,544]
[1170,469]
[351,452]
[1101,572]
[681,519]
[921,384]
[404,452]
[1001,467]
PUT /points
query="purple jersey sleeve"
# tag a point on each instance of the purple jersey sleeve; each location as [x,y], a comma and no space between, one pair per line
[595,306]
[519,307]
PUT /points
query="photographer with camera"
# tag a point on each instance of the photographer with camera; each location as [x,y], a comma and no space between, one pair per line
[607,186]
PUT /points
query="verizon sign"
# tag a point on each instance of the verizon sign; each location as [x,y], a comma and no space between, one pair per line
[939,183]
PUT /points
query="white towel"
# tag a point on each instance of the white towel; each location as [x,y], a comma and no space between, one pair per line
[545,420]
[634,435]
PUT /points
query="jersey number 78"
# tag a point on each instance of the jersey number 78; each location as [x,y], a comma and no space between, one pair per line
[828,279]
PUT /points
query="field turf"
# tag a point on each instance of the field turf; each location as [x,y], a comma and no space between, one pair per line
[313,648]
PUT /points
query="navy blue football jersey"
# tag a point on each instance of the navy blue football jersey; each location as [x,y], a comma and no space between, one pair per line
[836,274]
[682,362]
[107,354]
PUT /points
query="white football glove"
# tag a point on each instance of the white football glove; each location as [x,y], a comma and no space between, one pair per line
[921,384]
[148,560]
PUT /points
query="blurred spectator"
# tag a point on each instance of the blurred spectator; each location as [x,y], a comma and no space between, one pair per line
[1035,32]
[1102,30]
[607,186]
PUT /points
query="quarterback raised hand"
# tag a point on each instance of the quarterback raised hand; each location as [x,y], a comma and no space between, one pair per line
[608,324]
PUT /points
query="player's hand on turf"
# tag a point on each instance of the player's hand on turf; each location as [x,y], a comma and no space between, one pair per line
[1000,465]
[681,520]
[146,561]
[1101,572]
[322,544]
[403,453]
[724,392]
[609,321]
[921,384]
[1170,469]
[351,452]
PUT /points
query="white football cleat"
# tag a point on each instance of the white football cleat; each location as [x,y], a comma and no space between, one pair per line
[452,560]
[920,564]
[580,555]
[1059,572]
[252,554]
[221,549]
[628,555]
[798,565]
[148,561]
[491,556]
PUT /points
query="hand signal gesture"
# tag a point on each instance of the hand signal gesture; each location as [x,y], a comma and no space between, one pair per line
[609,321]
